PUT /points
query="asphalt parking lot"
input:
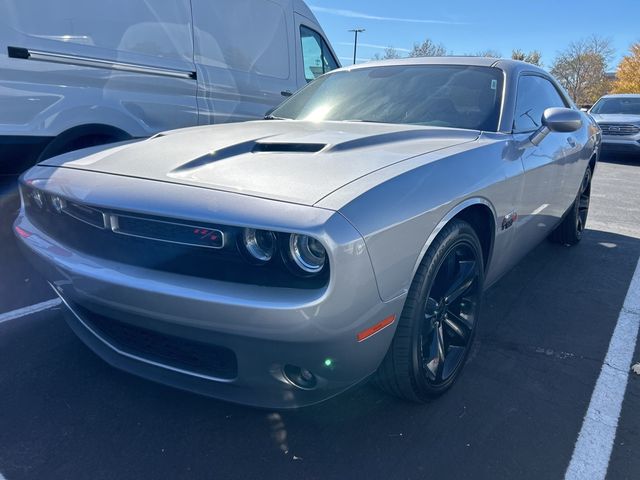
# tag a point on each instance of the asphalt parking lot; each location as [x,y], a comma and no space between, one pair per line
[515,413]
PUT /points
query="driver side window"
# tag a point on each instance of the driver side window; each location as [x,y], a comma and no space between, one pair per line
[316,56]
[535,95]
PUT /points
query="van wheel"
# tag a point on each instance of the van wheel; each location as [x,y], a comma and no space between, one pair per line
[570,230]
[82,137]
[439,319]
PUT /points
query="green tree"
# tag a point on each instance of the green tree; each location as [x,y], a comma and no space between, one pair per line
[489,53]
[581,69]
[428,48]
[533,57]
[389,54]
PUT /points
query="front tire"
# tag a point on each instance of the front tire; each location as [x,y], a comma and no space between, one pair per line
[438,322]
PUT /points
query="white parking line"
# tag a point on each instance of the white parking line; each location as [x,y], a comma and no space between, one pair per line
[593,448]
[31,309]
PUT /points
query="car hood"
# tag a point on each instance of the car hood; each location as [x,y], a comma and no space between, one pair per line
[294,161]
[616,118]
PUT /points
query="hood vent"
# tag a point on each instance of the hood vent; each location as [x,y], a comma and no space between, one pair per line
[288,147]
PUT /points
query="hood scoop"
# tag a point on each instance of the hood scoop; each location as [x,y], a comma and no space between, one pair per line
[274,147]
[248,147]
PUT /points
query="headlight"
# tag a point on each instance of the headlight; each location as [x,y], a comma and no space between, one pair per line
[58,203]
[307,253]
[38,197]
[260,244]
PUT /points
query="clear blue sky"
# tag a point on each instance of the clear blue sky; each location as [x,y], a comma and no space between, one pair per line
[468,26]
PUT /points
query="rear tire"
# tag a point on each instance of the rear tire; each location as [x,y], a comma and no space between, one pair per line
[570,230]
[438,322]
[83,136]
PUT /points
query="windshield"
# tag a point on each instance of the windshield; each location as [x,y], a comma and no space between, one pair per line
[621,105]
[436,95]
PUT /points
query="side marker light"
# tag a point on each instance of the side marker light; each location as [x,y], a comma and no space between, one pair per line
[363,335]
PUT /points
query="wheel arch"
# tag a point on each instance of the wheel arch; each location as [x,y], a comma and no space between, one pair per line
[60,143]
[480,214]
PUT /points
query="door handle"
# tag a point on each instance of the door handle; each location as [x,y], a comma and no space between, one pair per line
[286,93]
[571,141]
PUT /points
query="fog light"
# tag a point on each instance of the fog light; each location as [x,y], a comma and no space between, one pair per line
[300,377]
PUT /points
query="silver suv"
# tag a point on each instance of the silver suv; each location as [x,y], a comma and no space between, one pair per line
[619,118]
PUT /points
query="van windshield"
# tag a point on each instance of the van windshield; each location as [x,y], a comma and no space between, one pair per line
[437,95]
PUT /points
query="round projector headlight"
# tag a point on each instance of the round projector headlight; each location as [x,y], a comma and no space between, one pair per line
[58,203]
[308,253]
[261,244]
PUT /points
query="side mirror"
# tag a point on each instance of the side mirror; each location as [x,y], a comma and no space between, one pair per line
[562,120]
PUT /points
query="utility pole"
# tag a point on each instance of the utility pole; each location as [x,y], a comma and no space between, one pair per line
[356,31]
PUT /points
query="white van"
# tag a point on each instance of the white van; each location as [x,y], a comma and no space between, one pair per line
[76,73]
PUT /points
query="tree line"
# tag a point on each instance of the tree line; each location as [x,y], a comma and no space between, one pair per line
[581,67]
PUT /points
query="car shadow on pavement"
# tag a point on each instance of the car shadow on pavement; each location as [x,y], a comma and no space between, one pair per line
[620,159]
[515,412]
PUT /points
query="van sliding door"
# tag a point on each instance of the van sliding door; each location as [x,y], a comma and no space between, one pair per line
[244,58]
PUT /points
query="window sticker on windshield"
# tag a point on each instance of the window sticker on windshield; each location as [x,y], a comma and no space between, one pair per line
[494,84]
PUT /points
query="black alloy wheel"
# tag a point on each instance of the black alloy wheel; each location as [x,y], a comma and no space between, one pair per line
[584,197]
[439,319]
[450,314]
[572,226]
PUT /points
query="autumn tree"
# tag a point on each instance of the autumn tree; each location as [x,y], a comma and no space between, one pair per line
[533,57]
[628,75]
[581,69]
[428,48]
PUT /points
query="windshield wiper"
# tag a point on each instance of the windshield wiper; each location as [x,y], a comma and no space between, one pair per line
[273,117]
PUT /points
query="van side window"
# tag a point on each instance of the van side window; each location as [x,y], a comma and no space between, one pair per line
[535,95]
[316,56]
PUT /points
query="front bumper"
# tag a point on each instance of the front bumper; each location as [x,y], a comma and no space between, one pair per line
[265,328]
[617,144]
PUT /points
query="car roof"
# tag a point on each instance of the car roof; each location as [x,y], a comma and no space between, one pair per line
[627,95]
[508,65]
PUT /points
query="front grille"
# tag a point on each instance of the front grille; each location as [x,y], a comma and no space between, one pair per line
[198,357]
[619,129]
[202,250]
[172,232]
[84,213]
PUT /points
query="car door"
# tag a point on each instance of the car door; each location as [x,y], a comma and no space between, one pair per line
[541,204]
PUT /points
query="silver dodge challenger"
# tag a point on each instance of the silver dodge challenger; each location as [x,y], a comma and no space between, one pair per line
[349,235]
